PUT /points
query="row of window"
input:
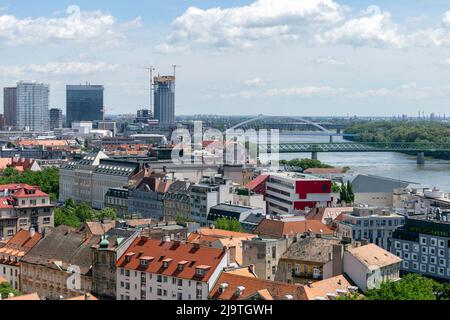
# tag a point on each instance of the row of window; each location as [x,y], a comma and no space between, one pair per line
[440,271]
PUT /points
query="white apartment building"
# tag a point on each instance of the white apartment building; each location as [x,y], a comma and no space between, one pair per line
[33,106]
[89,179]
[294,193]
[369,266]
[205,195]
[168,270]
[373,224]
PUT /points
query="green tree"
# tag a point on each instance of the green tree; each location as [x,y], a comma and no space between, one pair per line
[107,214]
[228,224]
[182,219]
[343,195]
[410,287]
[6,289]
[350,193]
[335,188]
[305,163]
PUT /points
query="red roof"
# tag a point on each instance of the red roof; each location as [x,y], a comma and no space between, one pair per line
[257,181]
[25,193]
[253,287]
[6,203]
[197,257]
[278,228]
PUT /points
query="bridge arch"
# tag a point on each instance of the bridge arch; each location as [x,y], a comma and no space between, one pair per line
[260,117]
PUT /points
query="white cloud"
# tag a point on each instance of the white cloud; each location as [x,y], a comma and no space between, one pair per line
[309,91]
[57,68]
[242,27]
[255,82]
[78,26]
[375,30]
[331,61]
[410,91]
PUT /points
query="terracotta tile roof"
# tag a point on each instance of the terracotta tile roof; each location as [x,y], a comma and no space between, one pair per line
[278,229]
[243,271]
[311,249]
[373,257]
[22,241]
[257,181]
[6,203]
[322,214]
[26,297]
[218,233]
[324,287]
[197,257]
[253,286]
[98,228]
[139,222]
[61,247]
[25,193]
[84,297]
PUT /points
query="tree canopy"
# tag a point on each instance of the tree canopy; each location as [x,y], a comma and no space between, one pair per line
[409,287]
[305,163]
[73,215]
[47,179]
[6,289]
[228,224]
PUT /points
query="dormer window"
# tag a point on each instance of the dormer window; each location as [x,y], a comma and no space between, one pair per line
[166,262]
[181,265]
[145,261]
[128,256]
[201,271]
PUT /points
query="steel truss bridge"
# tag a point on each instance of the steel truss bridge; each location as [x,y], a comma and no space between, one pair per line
[315,148]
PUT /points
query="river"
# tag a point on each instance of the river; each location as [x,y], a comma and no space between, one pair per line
[435,172]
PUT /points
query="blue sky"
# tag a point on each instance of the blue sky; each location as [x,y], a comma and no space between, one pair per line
[293,57]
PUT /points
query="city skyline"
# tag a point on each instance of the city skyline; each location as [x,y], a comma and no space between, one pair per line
[327,57]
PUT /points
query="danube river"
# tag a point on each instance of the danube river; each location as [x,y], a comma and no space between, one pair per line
[435,172]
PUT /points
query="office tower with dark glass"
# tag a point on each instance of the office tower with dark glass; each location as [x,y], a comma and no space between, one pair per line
[164,93]
[10,106]
[32,106]
[84,103]
[56,118]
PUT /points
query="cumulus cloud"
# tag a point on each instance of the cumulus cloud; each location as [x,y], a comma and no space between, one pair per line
[410,91]
[272,20]
[375,29]
[255,82]
[58,68]
[329,60]
[78,26]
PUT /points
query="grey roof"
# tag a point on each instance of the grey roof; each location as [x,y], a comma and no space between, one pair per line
[370,183]
[66,245]
[117,167]
[254,218]
[179,191]
[311,249]
[117,193]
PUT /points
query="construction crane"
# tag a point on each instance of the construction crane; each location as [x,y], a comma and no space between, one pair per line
[174,66]
[150,69]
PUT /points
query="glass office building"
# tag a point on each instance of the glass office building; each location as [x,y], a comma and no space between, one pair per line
[164,93]
[32,106]
[84,103]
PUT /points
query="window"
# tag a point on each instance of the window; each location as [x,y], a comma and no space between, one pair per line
[432,269]
[441,243]
[414,256]
[432,251]
[441,253]
[165,279]
[159,292]
[179,296]
[425,250]
[406,264]
[121,271]
[127,273]
[159,278]
[433,241]
[424,259]
[423,268]
[406,256]
[415,266]
[406,246]
[441,271]
[174,280]
[397,245]
[415,247]
[442,262]
[423,240]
